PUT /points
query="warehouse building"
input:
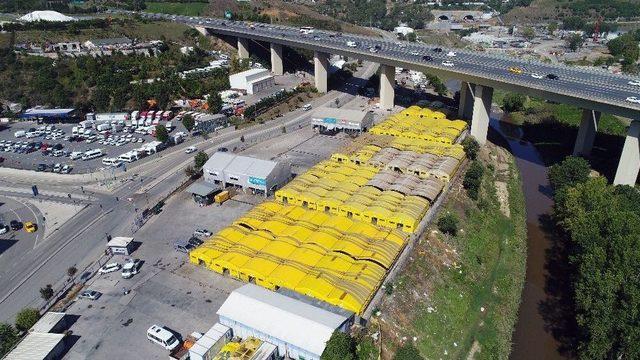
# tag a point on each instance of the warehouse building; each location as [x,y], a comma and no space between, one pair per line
[299,328]
[252,81]
[50,115]
[44,341]
[247,173]
[332,120]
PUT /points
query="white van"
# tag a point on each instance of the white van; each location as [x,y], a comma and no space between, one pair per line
[58,153]
[129,157]
[111,162]
[92,154]
[20,133]
[163,337]
[75,155]
[306,107]
[74,130]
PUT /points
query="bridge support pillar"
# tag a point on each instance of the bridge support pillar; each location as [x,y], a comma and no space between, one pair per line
[321,67]
[586,132]
[243,48]
[482,96]
[387,81]
[276,59]
[202,30]
[465,106]
[629,163]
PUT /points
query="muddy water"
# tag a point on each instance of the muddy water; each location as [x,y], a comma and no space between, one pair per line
[530,340]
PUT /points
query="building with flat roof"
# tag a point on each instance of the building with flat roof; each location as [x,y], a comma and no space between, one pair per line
[121,245]
[250,174]
[50,115]
[44,341]
[328,120]
[252,81]
[299,329]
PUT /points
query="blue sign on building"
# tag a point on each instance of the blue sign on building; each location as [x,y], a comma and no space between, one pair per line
[329,120]
[257,181]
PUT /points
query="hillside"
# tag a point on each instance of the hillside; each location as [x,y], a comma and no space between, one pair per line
[545,10]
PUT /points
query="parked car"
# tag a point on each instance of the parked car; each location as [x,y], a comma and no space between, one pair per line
[158,334]
[90,294]
[202,233]
[130,268]
[15,225]
[109,268]
[3,229]
[195,242]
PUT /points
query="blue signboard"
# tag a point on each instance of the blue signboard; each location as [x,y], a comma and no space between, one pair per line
[257,181]
[328,120]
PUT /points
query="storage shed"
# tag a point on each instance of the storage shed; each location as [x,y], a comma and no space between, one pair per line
[327,119]
[252,81]
[250,174]
[121,245]
[299,329]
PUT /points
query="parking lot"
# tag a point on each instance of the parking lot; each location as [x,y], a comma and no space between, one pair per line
[167,291]
[114,145]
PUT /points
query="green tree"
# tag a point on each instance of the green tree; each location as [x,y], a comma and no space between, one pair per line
[412,37]
[438,86]
[72,271]
[191,172]
[188,122]
[340,346]
[448,224]
[528,33]
[26,318]
[8,338]
[473,179]
[46,292]
[573,23]
[471,147]
[366,349]
[570,172]
[200,159]
[162,134]
[552,27]
[513,102]
[574,41]
[215,103]
[407,352]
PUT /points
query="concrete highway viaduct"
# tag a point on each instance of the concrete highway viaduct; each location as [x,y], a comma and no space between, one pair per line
[592,90]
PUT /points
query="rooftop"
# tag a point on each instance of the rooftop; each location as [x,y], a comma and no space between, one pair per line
[239,164]
[120,241]
[47,322]
[35,346]
[341,114]
[295,322]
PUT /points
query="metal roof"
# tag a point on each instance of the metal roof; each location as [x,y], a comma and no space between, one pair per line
[202,188]
[286,319]
[340,114]
[238,164]
[35,346]
[120,241]
[47,322]
[35,112]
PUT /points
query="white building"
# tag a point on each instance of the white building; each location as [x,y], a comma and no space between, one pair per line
[299,328]
[403,30]
[44,341]
[327,119]
[255,175]
[252,81]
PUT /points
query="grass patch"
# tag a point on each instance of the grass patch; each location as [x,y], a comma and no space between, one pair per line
[440,294]
[178,8]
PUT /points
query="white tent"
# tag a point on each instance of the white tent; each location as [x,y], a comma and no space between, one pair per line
[46,15]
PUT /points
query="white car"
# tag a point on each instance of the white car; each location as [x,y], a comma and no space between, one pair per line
[190,149]
[536,76]
[202,233]
[415,53]
[633,99]
[634,82]
[109,268]
[90,294]
[3,229]
[451,54]
[352,44]
[447,63]
[130,268]
[66,169]
[401,45]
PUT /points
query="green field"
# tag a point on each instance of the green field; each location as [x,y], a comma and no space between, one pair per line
[188,9]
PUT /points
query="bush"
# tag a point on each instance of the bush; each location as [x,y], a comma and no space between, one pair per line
[8,338]
[471,147]
[162,134]
[473,179]
[340,346]
[188,122]
[407,352]
[200,159]
[570,172]
[46,292]
[448,224]
[26,318]
[513,102]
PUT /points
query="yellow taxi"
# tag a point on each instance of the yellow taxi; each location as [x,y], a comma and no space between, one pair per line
[30,227]
[515,70]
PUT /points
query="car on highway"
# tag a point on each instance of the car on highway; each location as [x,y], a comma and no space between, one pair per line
[202,233]
[452,54]
[537,76]
[447,63]
[130,268]
[90,294]
[438,50]
[30,227]
[373,50]
[552,76]
[633,99]
[401,45]
[634,82]
[352,44]
[190,149]
[3,229]
[427,58]
[223,149]
[15,225]
[109,268]
[515,70]
[415,53]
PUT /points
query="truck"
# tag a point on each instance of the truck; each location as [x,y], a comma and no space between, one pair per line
[103,127]
[182,351]
[102,117]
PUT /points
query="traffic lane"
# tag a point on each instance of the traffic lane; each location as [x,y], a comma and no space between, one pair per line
[15,245]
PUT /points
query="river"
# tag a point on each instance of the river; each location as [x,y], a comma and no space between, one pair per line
[530,339]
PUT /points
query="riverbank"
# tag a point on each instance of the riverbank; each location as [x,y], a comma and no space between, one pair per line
[458,296]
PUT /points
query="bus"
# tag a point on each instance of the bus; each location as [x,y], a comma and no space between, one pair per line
[306,30]
[129,157]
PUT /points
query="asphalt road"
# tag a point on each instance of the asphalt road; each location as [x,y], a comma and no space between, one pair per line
[587,86]
[81,240]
